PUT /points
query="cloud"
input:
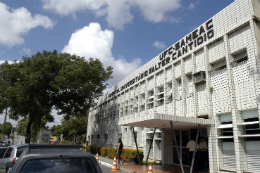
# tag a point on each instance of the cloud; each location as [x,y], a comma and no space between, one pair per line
[57,119]
[92,41]
[3,61]
[155,11]
[116,12]
[15,22]
[26,51]
[159,45]
[13,122]
[191,6]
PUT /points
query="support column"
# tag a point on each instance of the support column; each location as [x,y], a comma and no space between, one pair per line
[150,147]
[164,86]
[195,100]
[194,153]
[254,56]
[184,84]
[136,146]
[174,90]
[214,162]
[176,144]
[208,82]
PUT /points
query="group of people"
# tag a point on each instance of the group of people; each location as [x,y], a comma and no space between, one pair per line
[201,154]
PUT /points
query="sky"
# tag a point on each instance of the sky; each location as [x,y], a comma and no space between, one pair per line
[124,34]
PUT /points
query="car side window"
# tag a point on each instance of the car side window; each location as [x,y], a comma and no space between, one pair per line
[8,152]
[2,153]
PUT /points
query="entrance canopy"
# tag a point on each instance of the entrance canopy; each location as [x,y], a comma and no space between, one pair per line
[162,121]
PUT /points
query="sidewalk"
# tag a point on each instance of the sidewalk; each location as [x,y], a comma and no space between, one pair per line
[126,167]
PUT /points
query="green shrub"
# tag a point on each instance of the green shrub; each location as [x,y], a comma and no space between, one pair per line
[111,153]
[95,149]
[64,142]
[103,151]
[127,153]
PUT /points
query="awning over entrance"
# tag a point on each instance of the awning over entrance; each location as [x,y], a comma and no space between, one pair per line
[162,121]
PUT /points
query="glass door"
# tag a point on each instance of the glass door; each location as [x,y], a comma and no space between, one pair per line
[175,154]
[185,138]
[182,137]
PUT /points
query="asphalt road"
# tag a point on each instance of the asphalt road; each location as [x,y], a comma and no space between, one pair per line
[106,169]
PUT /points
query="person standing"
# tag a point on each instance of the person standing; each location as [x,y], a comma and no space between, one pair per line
[87,146]
[119,151]
[191,146]
[203,148]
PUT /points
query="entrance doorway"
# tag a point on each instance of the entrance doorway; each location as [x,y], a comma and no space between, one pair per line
[182,138]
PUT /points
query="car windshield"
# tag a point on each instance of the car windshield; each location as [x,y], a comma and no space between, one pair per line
[59,165]
[20,150]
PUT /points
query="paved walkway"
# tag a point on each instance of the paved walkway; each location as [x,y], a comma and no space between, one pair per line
[126,167]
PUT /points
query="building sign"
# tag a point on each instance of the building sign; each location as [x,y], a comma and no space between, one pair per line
[196,38]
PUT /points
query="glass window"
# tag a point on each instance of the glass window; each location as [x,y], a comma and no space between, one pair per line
[177,134]
[20,150]
[8,152]
[59,165]
[175,155]
[3,152]
[185,137]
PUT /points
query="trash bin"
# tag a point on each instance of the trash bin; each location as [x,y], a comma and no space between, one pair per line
[133,160]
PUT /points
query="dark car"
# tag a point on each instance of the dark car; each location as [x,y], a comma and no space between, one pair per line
[55,159]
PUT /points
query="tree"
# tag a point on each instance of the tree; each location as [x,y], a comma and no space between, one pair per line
[47,81]
[76,125]
[35,127]
[8,128]
[57,130]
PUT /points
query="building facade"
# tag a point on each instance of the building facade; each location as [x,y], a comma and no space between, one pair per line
[209,78]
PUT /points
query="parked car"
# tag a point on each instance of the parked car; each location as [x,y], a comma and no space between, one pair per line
[2,149]
[56,159]
[10,154]
[4,144]
[56,142]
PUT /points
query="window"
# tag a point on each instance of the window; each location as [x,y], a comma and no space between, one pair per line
[226,128]
[105,136]
[3,152]
[251,125]
[78,165]
[20,150]
[8,152]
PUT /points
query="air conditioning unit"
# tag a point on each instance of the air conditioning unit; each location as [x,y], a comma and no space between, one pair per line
[199,77]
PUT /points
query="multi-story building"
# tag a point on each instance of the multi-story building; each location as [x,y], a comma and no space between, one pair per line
[209,77]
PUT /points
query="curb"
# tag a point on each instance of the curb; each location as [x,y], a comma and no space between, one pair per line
[121,169]
[128,170]
[106,164]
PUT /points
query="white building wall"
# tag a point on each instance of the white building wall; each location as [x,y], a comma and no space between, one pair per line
[234,32]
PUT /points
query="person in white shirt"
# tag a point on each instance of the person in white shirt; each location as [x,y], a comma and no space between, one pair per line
[203,148]
[191,146]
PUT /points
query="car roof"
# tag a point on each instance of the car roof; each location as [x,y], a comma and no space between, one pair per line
[37,151]
[17,146]
[53,149]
